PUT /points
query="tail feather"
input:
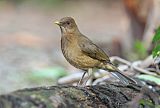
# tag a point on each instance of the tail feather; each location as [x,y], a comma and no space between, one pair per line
[117,73]
[124,79]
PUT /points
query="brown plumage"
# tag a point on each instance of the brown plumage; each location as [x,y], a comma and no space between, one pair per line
[82,53]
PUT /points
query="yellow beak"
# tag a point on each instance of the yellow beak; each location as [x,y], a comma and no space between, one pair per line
[57,22]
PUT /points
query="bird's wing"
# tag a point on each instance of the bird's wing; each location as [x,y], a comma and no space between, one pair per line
[92,50]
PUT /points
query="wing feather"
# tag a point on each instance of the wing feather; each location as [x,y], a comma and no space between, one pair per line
[92,50]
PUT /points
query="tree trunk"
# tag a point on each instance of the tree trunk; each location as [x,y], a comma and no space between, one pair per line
[111,95]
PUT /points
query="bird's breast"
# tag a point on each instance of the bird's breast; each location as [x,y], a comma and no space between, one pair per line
[75,56]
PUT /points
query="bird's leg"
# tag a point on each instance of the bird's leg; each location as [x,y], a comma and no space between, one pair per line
[90,75]
[81,79]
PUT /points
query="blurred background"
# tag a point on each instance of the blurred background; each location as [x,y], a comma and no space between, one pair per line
[30,53]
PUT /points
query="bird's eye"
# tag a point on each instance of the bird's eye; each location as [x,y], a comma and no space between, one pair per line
[68,23]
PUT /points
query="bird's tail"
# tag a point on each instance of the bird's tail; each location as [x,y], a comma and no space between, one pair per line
[117,73]
[123,78]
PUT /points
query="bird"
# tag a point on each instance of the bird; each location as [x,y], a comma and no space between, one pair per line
[83,54]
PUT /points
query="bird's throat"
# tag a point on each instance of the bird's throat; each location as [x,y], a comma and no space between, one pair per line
[66,31]
[62,30]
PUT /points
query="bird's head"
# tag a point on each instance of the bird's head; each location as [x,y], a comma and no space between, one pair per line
[67,25]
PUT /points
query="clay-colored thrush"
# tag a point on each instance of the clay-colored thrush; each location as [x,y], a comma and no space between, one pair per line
[82,53]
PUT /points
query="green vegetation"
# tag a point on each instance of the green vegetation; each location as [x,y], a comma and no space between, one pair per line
[156,42]
[139,49]
[48,74]
[149,78]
